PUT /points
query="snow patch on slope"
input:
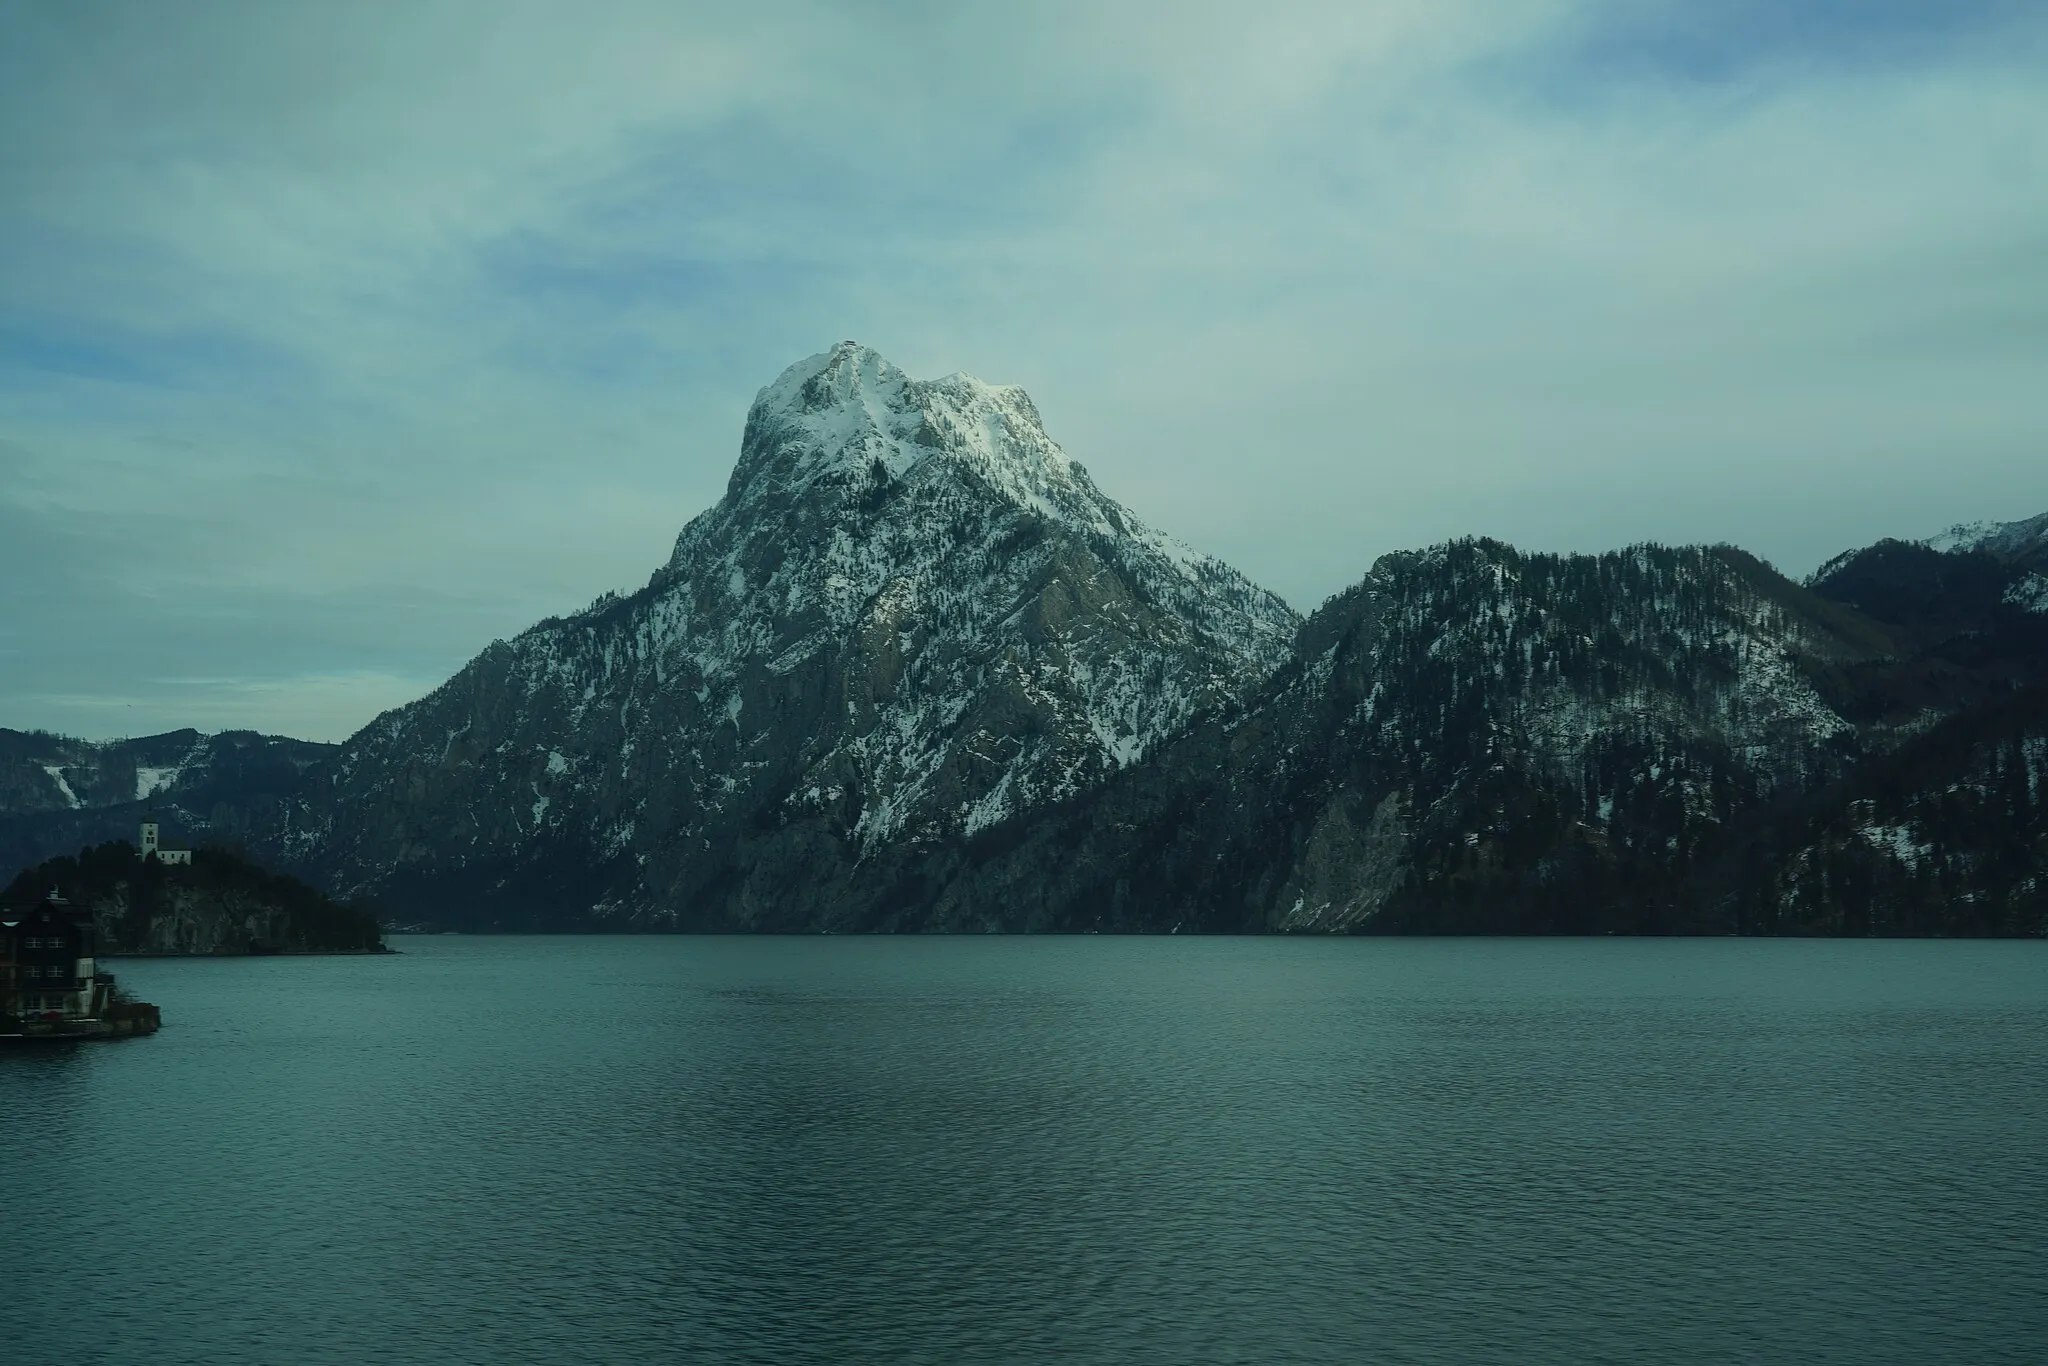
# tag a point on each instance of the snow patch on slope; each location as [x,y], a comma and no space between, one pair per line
[56,772]
[150,781]
[1899,841]
[2030,594]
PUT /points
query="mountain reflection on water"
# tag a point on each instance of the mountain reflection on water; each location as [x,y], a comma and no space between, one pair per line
[1090,1150]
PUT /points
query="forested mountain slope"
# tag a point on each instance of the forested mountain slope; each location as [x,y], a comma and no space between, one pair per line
[1472,739]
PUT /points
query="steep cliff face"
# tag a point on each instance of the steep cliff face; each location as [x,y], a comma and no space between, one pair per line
[2023,543]
[182,919]
[911,618]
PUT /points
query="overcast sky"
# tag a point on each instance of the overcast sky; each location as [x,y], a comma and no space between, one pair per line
[337,340]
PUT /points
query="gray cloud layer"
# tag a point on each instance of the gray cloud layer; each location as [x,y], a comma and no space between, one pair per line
[335,341]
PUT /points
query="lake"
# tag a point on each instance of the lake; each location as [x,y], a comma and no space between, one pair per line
[958,1150]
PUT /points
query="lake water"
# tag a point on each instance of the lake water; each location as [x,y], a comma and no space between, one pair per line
[1085,1150]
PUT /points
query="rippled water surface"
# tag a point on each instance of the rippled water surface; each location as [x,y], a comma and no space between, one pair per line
[1084,1150]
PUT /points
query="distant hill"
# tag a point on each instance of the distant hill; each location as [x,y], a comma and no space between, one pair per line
[219,903]
[59,794]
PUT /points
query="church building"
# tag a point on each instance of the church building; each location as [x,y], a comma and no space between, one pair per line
[150,847]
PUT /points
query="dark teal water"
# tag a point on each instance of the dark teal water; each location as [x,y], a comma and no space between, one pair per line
[1083,1150]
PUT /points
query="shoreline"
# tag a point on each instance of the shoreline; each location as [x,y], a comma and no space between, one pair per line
[1299,936]
[288,953]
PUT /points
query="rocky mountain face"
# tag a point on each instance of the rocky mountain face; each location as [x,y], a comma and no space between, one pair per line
[59,794]
[2022,544]
[911,618]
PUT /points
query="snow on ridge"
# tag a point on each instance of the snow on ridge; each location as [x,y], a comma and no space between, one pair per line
[845,429]
[1999,538]
[848,413]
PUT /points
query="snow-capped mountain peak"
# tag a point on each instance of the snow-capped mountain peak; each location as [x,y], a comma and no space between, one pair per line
[848,418]
[911,616]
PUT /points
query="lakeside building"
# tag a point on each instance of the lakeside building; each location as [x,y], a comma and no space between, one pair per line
[51,987]
[48,972]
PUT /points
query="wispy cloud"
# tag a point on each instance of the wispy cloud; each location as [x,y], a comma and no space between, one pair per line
[308,307]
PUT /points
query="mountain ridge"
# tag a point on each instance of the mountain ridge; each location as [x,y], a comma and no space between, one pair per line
[915,671]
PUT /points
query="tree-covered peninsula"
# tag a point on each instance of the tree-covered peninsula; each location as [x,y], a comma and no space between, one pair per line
[219,903]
